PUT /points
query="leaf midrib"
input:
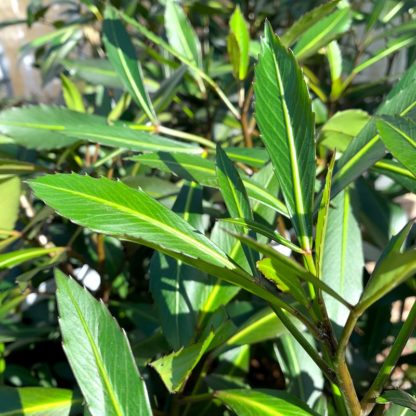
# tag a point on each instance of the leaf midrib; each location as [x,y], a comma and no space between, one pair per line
[164,227]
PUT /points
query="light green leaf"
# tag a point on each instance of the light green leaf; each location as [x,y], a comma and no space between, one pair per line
[399,136]
[338,132]
[202,171]
[263,402]
[113,208]
[122,55]
[323,32]
[14,258]
[45,127]
[285,119]
[175,368]
[72,96]
[238,42]
[342,258]
[105,371]
[9,201]
[307,21]
[179,290]
[38,401]
[393,268]
[180,33]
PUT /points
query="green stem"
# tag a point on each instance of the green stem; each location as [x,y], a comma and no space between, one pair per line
[383,375]
[186,136]
[311,351]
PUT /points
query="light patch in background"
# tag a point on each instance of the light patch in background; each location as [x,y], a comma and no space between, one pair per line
[89,277]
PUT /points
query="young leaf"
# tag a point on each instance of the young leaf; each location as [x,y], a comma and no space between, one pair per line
[306,21]
[9,260]
[99,354]
[122,55]
[342,258]
[180,33]
[322,33]
[179,290]
[285,118]
[9,197]
[399,136]
[238,44]
[72,96]
[42,127]
[36,401]
[175,368]
[263,402]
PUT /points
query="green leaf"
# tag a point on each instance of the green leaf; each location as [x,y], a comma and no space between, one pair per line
[43,127]
[238,42]
[122,55]
[322,221]
[9,201]
[304,378]
[338,132]
[307,21]
[180,33]
[113,208]
[398,397]
[72,96]
[399,136]
[397,172]
[202,171]
[392,269]
[175,368]
[37,401]
[94,71]
[99,354]
[9,260]
[367,148]
[323,32]
[17,167]
[285,118]
[342,258]
[262,402]
[179,290]
[265,231]
[255,156]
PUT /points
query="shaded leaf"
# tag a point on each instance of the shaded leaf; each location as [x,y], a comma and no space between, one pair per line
[121,53]
[398,397]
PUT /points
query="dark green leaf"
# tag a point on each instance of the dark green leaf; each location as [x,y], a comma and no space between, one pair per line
[285,119]
[398,397]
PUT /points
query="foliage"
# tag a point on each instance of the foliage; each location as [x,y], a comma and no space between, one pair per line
[231,200]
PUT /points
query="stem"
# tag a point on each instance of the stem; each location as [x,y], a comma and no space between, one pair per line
[186,136]
[343,375]
[245,106]
[197,398]
[383,375]
[329,373]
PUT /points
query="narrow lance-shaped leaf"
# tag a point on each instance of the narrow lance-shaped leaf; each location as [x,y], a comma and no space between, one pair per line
[399,136]
[113,208]
[263,402]
[36,401]
[342,258]
[72,96]
[47,127]
[285,118]
[122,55]
[238,42]
[105,371]
[9,201]
[14,258]
[179,290]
